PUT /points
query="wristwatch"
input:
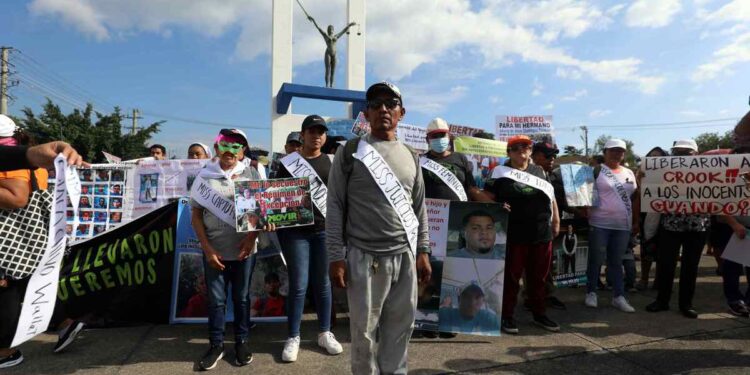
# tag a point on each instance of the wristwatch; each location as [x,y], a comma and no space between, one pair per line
[424,250]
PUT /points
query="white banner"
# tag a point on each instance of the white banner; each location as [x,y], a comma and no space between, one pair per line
[538,127]
[157,182]
[299,167]
[446,176]
[41,293]
[710,184]
[391,188]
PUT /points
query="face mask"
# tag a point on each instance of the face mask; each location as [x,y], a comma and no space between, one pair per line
[233,148]
[439,144]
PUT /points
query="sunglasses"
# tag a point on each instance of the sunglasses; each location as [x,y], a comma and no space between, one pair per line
[234,148]
[389,103]
[520,147]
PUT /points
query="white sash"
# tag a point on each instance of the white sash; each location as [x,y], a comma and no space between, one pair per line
[615,184]
[502,171]
[41,292]
[389,184]
[446,176]
[214,202]
[299,167]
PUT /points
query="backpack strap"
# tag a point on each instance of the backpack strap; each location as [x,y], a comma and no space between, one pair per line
[597,170]
[34,182]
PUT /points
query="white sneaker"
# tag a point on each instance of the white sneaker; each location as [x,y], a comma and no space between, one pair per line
[622,304]
[591,300]
[328,341]
[291,349]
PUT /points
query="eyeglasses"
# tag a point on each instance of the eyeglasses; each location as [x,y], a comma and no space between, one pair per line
[520,147]
[389,103]
[234,148]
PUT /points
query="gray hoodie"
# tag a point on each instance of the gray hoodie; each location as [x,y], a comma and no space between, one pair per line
[371,223]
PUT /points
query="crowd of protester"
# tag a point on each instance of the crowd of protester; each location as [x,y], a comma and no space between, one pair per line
[362,244]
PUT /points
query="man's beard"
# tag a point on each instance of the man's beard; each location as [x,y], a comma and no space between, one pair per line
[484,250]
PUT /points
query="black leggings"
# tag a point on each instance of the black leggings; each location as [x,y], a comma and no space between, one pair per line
[11,298]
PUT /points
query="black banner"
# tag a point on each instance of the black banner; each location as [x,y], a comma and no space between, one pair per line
[123,275]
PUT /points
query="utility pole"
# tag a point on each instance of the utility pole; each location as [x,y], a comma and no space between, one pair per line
[4,80]
[134,117]
[585,140]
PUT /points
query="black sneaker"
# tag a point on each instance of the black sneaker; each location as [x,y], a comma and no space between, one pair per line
[212,357]
[555,303]
[244,355]
[11,360]
[67,335]
[508,325]
[689,312]
[739,309]
[544,322]
[447,335]
[657,306]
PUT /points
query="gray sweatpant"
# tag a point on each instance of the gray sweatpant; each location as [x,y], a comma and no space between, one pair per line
[382,292]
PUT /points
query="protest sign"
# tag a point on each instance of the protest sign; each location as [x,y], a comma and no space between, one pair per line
[158,182]
[484,155]
[737,250]
[413,136]
[40,297]
[284,202]
[123,275]
[538,128]
[459,130]
[360,127]
[105,202]
[696,185]
[472,271]
[570,252]
[437,222]
[580,189]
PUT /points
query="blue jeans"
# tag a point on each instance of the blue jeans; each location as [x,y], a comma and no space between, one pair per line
[731,273]
[237,274]
[307,262]
[613,243]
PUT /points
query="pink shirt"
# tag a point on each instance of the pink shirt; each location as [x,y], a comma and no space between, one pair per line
[611,212]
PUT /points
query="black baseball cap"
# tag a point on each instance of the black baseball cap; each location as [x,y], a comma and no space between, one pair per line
[548,149]
[314,120]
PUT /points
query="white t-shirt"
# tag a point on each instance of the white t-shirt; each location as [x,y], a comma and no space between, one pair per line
[611,213]
[246,204]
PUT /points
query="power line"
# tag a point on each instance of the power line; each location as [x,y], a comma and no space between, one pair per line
[202,122]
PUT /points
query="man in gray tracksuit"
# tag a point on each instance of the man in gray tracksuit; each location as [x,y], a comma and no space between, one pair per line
[369,248]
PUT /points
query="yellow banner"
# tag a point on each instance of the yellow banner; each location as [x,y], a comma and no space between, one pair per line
[480,146]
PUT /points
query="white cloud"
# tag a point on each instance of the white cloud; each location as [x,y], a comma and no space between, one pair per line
[537,87]
[568,73]
[495,99]
[498,33]
[736,52]
[692,113]
[652,13]
[615,10]
[498,81]
[734,11]
[599,113]
[429,99]
[575,96]
[549,106]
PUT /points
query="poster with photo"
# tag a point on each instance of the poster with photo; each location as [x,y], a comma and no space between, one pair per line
[476,230]
[103,201]
[471,296]
[284,202]
[570,252]
[580,189]
[158,182]
[428,299]
[437,223]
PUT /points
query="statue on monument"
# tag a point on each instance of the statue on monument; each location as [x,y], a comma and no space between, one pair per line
[330,39]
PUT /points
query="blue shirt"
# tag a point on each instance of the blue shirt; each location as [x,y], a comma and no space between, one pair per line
[485,322]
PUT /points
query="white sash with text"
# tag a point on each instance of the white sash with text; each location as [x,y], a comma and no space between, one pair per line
[214,202]
[615,184]
[446,176]
[299,167]
[391,187]
[502,171]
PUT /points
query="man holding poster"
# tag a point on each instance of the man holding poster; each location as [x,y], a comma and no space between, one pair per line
[377,236]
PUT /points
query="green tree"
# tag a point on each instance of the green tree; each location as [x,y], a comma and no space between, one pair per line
[630,157]
[572,151]
[89,132]
[712,141]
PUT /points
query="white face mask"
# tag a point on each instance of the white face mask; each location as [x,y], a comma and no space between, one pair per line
[439,145]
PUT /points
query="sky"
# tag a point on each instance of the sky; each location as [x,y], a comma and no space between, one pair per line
[651,71]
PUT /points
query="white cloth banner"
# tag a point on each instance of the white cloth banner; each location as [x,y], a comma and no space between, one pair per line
[446,176]
[389,184]
[211,200]
[502,171]
[41,293]
[299,167]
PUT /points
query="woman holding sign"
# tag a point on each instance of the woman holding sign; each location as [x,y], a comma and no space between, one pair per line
[612,223]
[226,253]
[304,247]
